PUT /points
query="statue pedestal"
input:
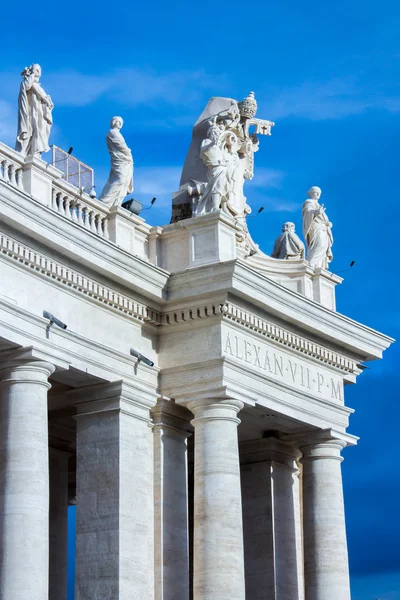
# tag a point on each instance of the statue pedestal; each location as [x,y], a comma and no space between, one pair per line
[199,241]
[323,285]
[128,231]
[38,177]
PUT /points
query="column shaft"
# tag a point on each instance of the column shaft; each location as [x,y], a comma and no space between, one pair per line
[114,502]
[271,521]
[325,547]
[58,524]
[170,430]
[24,481]
[218,531]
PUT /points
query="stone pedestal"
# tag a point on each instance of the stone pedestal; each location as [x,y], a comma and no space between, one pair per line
[198,241]
[218,531]
[114,495]
[24,480]
[58,521]
[271,521]
[128,231]
[326,568]
[38,179]
[170,431]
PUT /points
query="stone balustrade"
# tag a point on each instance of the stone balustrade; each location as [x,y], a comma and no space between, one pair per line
[11,166]
[80,208]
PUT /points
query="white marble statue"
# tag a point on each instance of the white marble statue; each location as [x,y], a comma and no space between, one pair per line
[288,246]
[216,167]
[317,230]
[215,159]
[120,180]
[34,114]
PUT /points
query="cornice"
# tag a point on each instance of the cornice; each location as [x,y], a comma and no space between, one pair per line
[76,280]
[201,311]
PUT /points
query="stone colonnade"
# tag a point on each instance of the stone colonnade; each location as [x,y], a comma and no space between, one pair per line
[128,450]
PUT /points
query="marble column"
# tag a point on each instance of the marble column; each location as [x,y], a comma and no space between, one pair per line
[218,532]
[114,498]
[271,520]
[24,480]
[170,431]
[58,524]
[326,568]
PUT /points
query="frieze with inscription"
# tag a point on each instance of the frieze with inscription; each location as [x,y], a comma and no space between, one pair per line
[282,366]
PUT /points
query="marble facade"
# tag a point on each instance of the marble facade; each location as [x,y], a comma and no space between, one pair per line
[212,475]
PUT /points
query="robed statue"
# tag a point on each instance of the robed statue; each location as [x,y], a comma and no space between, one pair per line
[120,180]
[317,230]
[288,246]
[34,114]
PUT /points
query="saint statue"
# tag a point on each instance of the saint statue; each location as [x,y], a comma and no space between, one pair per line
[288,246]
[120,180]
[215,158]
[34,114]
[317,230]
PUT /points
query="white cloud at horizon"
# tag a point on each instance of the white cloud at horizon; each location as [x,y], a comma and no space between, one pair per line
[325,100]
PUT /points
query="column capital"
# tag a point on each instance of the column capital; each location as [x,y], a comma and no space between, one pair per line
[215,409]
[21,365]
[323,449]
[113,397]
[269,449]
[171,416]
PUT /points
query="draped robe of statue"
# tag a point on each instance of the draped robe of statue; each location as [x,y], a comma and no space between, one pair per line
[214,159]
[288,246]
[120,180]
[317,234]
[34,118]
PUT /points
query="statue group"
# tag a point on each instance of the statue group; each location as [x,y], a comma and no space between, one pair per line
[317,231]
[219,161]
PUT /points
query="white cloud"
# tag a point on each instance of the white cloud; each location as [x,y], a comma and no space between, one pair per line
[157,181]
[332,99]
[266,178]
[131,87]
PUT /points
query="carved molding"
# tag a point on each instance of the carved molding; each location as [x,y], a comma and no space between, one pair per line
[270,330]
[72,278]
[104,294]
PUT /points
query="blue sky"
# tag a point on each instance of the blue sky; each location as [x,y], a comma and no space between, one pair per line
[328,74]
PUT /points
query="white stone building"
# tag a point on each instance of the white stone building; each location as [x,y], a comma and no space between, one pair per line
[214,474]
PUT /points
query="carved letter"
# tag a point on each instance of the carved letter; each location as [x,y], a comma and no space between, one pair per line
[228,345]
[279,365]
[293,371]
[257,362]
[336,390]
[247,351]
[237,348]
[320,381]
[267,364]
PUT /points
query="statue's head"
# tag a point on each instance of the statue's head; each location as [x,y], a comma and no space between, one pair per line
[116,122]
[214,132]
[36,70]
[288,226]
[314,192]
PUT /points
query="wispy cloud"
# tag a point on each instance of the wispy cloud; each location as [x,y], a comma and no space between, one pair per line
[132,87]
[157,181]
[332,99]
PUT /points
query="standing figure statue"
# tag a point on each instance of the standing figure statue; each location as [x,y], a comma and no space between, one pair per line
[120,180]
[34,114]
[317,230]
[215,159]
[288,246]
